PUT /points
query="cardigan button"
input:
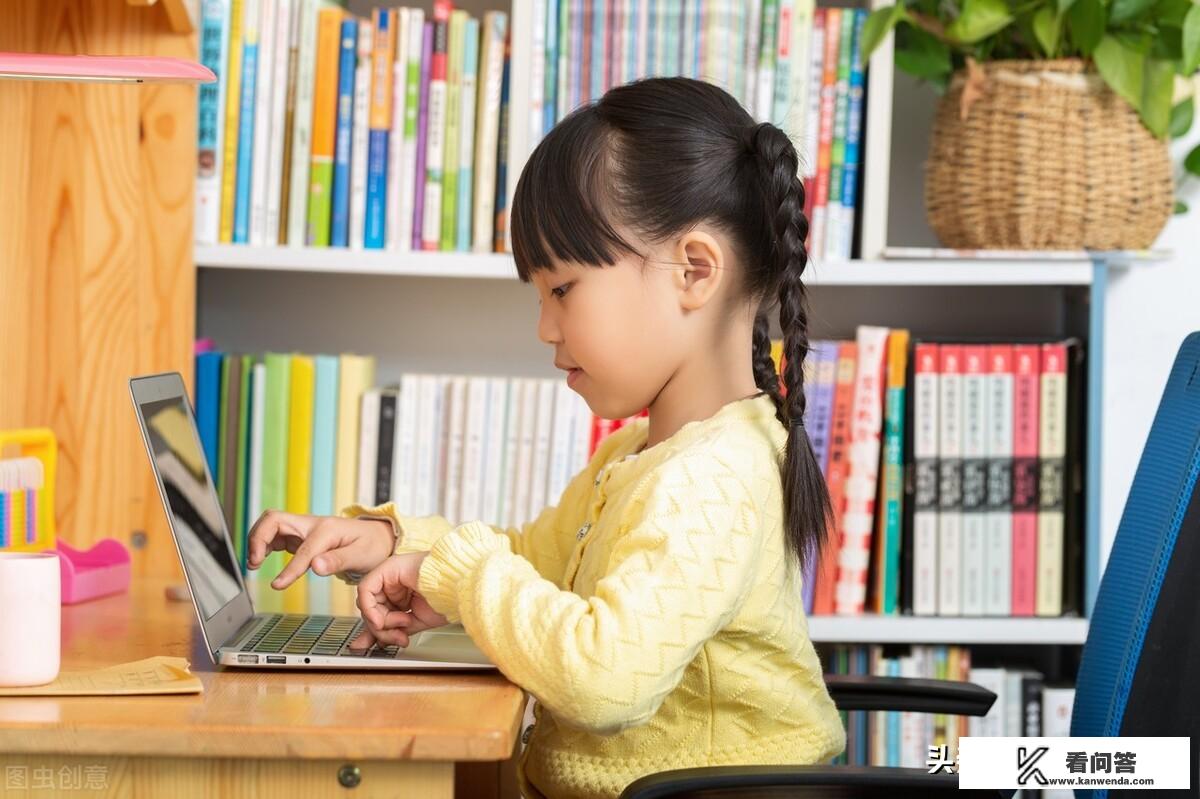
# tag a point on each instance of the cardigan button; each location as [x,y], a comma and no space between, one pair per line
[525,735]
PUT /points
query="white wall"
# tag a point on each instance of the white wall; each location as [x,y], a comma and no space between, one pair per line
[1151,308]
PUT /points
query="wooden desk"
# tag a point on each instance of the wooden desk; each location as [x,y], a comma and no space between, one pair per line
[253,732]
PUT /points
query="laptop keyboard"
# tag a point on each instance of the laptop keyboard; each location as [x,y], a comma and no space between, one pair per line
[300,634]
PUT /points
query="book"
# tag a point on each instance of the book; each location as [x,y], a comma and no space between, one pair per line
[264,117]
[396,166]
[214,24]
[280,69]
[379,124]
[950,521]
[368,446]
[451,144]
[356,374]
[1052,447]
[299,461]
[1026,406]
[997,583]
[207,403]
[925,447]
[302,123]
[974,478]
[421,166]
[464,202]
[339,214]
[360,135]
[435,155]
[385,443]
[887,549]
[324,122]
[835,478]
[232,123]
[246,121]
[277,395]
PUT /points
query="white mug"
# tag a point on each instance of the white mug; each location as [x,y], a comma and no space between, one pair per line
[30,618]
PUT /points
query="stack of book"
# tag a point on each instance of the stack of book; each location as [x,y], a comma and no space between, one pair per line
[785,61]
[955,474]
[324,129]
[314,434]
[1026,705]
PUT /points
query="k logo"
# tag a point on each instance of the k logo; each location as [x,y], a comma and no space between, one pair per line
[1025,765]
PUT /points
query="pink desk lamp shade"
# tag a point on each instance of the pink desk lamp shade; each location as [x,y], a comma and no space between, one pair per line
[103,68]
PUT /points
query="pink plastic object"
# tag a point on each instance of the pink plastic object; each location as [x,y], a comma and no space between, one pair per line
[102,570]
[104,68]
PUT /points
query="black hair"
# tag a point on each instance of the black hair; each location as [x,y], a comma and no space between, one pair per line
[660,156]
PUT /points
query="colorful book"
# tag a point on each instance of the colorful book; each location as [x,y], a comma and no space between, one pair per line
[1052,450]
[300,155]
[395,167]
[383,54]
[264,132]
[339,218]
[819,411]
[356,374]
[214,24]
[887,549]
[837,150]
[500,242]
[839,453]
[207,402]
[359,137]
[435,155]
[299,461]
[420,176]
[974,478]
[487,112]
[465,199]
[862,479]
[246,121]
[1026,406]
[276,428]
[324,123]
[845,243]
[232,122]
[245,405]
[820,206]
[451,144]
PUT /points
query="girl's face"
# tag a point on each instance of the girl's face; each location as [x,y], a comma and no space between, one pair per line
[615,326]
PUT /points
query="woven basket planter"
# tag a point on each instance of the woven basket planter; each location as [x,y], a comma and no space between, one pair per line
[1047,157]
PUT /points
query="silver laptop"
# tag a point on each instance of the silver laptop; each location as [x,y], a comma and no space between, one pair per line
[234,634]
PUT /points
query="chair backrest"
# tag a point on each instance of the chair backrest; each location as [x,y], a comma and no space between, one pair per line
[1140,670]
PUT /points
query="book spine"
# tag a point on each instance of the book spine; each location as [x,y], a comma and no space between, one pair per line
[550,77]
[512,439]
[435,156]
[246,120]
[565,50]
[525,475]
[845,242]
[264,95]
[974,479]
[1026,402]
[302,124]
[359,138]
[495,30]
[798,79]
[1052,449]
[385,446]
[539,465]
[426,406]
[925,490]
[783,63]
[379,127]
[829,76]
[324,122]
[420,167]
[997,581]
[764,94]
[284,193]
[368,452]
[404,453]
[395,166]
[749,62]
[839,450]
[279,140]
[500,225]
[596,57]
[837,152]
[454,443]
[258,401]
[476,417]
[812,117]
[539,11]
[495,434]
[892,479]
[822,405]
[466,137]
[412,106]
[242,462]
[451,145]
[862,481]
[232,124]
[209,139]
[339,215]
[950,521]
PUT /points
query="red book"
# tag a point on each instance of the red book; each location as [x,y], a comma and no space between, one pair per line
[1026,393]
[835,479]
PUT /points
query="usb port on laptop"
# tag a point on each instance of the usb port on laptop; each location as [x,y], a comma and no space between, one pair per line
[276,659]
[247,658]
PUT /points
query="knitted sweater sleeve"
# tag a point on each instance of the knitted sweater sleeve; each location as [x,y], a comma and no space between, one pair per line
[545,542]
[679,573]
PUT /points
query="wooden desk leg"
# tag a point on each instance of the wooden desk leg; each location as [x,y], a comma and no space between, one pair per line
[202,778]
[487,779]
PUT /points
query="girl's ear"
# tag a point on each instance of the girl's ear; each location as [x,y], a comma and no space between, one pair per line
[700,279]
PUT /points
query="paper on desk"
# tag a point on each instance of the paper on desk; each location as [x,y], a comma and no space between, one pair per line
[156,675]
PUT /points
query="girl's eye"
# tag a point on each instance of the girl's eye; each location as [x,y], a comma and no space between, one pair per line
[560,291]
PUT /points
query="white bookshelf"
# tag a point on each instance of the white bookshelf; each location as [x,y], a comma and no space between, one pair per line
[400,307]
[929,630]
[926,272]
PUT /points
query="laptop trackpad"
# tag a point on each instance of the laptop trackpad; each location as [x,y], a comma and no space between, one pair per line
[452,643]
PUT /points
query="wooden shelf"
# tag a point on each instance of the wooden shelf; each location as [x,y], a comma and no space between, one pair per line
[931,630]
[931,272]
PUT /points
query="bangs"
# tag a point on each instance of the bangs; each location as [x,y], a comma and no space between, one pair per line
[558,210]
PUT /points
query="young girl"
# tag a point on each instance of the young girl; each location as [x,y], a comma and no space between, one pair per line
[655,612]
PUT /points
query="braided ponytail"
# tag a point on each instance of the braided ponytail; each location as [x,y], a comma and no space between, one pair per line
[807,511]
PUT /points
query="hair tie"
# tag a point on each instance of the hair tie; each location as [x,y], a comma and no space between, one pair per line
[797,422]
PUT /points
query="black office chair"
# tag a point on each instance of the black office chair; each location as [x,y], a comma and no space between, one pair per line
[1140,670]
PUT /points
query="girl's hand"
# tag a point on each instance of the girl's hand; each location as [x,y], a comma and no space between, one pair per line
[392,610]
[329,543]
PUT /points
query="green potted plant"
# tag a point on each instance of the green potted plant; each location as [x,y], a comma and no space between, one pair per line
[1054,119]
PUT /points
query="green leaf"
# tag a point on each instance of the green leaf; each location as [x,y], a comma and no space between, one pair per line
[878,25]
[1180,207]
[1191,41]
[1181,118]
[1158,83]
[1168,44]
[1171,12]
[1047,27]
[923,55]
[1065,5]
[1123,10]
[1192,162]
[1086,22]
[979,19]
[1121,68]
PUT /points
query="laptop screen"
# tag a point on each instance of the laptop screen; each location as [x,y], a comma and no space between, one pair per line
[196,513]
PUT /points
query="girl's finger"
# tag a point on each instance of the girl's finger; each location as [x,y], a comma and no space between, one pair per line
[363,640]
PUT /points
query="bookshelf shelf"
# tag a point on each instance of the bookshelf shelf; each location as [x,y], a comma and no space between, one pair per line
[924,630]
[916,272]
